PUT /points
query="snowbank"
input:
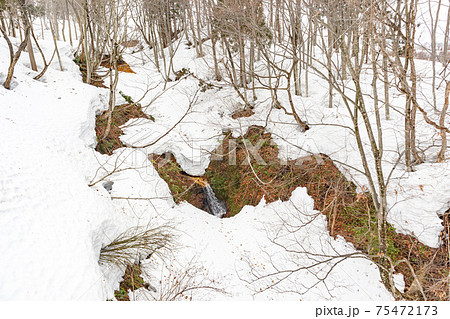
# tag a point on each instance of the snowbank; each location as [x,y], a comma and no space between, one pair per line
[52,225]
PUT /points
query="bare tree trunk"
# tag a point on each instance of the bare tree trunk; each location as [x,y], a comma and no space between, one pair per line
[113,58]
[2,22]
[416,156]
[15,58]
[195,36]
[213,36]
[277,23]
[252,68]
[42,27]
[8,41]
[56,47]
[441,155]
[329,67]
[408,161]
[217,74]
[31,54]
[433,26]
[199,28]
[28,27]
[12,26]
[387,113]
[398,27]
[233,75]
[155,48]
[412,25]
[112,95]
[242,68]
[446,40]
[37,77]
[75,30]
[68,22]
[63,29]
[410,91]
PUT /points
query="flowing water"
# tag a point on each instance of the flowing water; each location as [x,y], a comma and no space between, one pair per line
[213,205]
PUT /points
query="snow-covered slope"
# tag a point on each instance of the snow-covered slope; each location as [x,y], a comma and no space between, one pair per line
[52,224]
[415,199]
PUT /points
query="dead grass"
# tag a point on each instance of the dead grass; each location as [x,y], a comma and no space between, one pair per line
[246,183]
[246,112]
[96,79]
[130,43]
[182,186]
[129,249]
[350,214]
[121,115]
[122,66]
[135,244]
[132,280]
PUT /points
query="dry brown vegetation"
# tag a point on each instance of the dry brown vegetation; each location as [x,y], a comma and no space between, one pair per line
[245,112]
[182,186]
[132,280]
[120,115]
[350,213]
[122,66]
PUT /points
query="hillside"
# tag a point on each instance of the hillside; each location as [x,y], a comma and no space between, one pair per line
[220,159]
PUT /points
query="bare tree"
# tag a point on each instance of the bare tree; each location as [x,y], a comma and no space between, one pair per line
[441,154]
[14,56]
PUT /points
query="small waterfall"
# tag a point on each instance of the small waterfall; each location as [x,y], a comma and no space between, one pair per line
[213,205]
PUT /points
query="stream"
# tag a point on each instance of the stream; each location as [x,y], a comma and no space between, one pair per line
[213,205]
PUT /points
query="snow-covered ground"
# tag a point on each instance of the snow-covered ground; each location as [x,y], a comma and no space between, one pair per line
[52,224]
[415,199]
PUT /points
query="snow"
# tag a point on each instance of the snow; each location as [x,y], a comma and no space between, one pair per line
[426,15]
[399,282]
[196,136]
[53,225]
[218,248]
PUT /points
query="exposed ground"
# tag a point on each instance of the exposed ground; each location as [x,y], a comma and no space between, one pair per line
[244,112]
[182,186]
[120,115]
[122,66]
[97,79]
[239,182]
[132,280]
[350,214]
